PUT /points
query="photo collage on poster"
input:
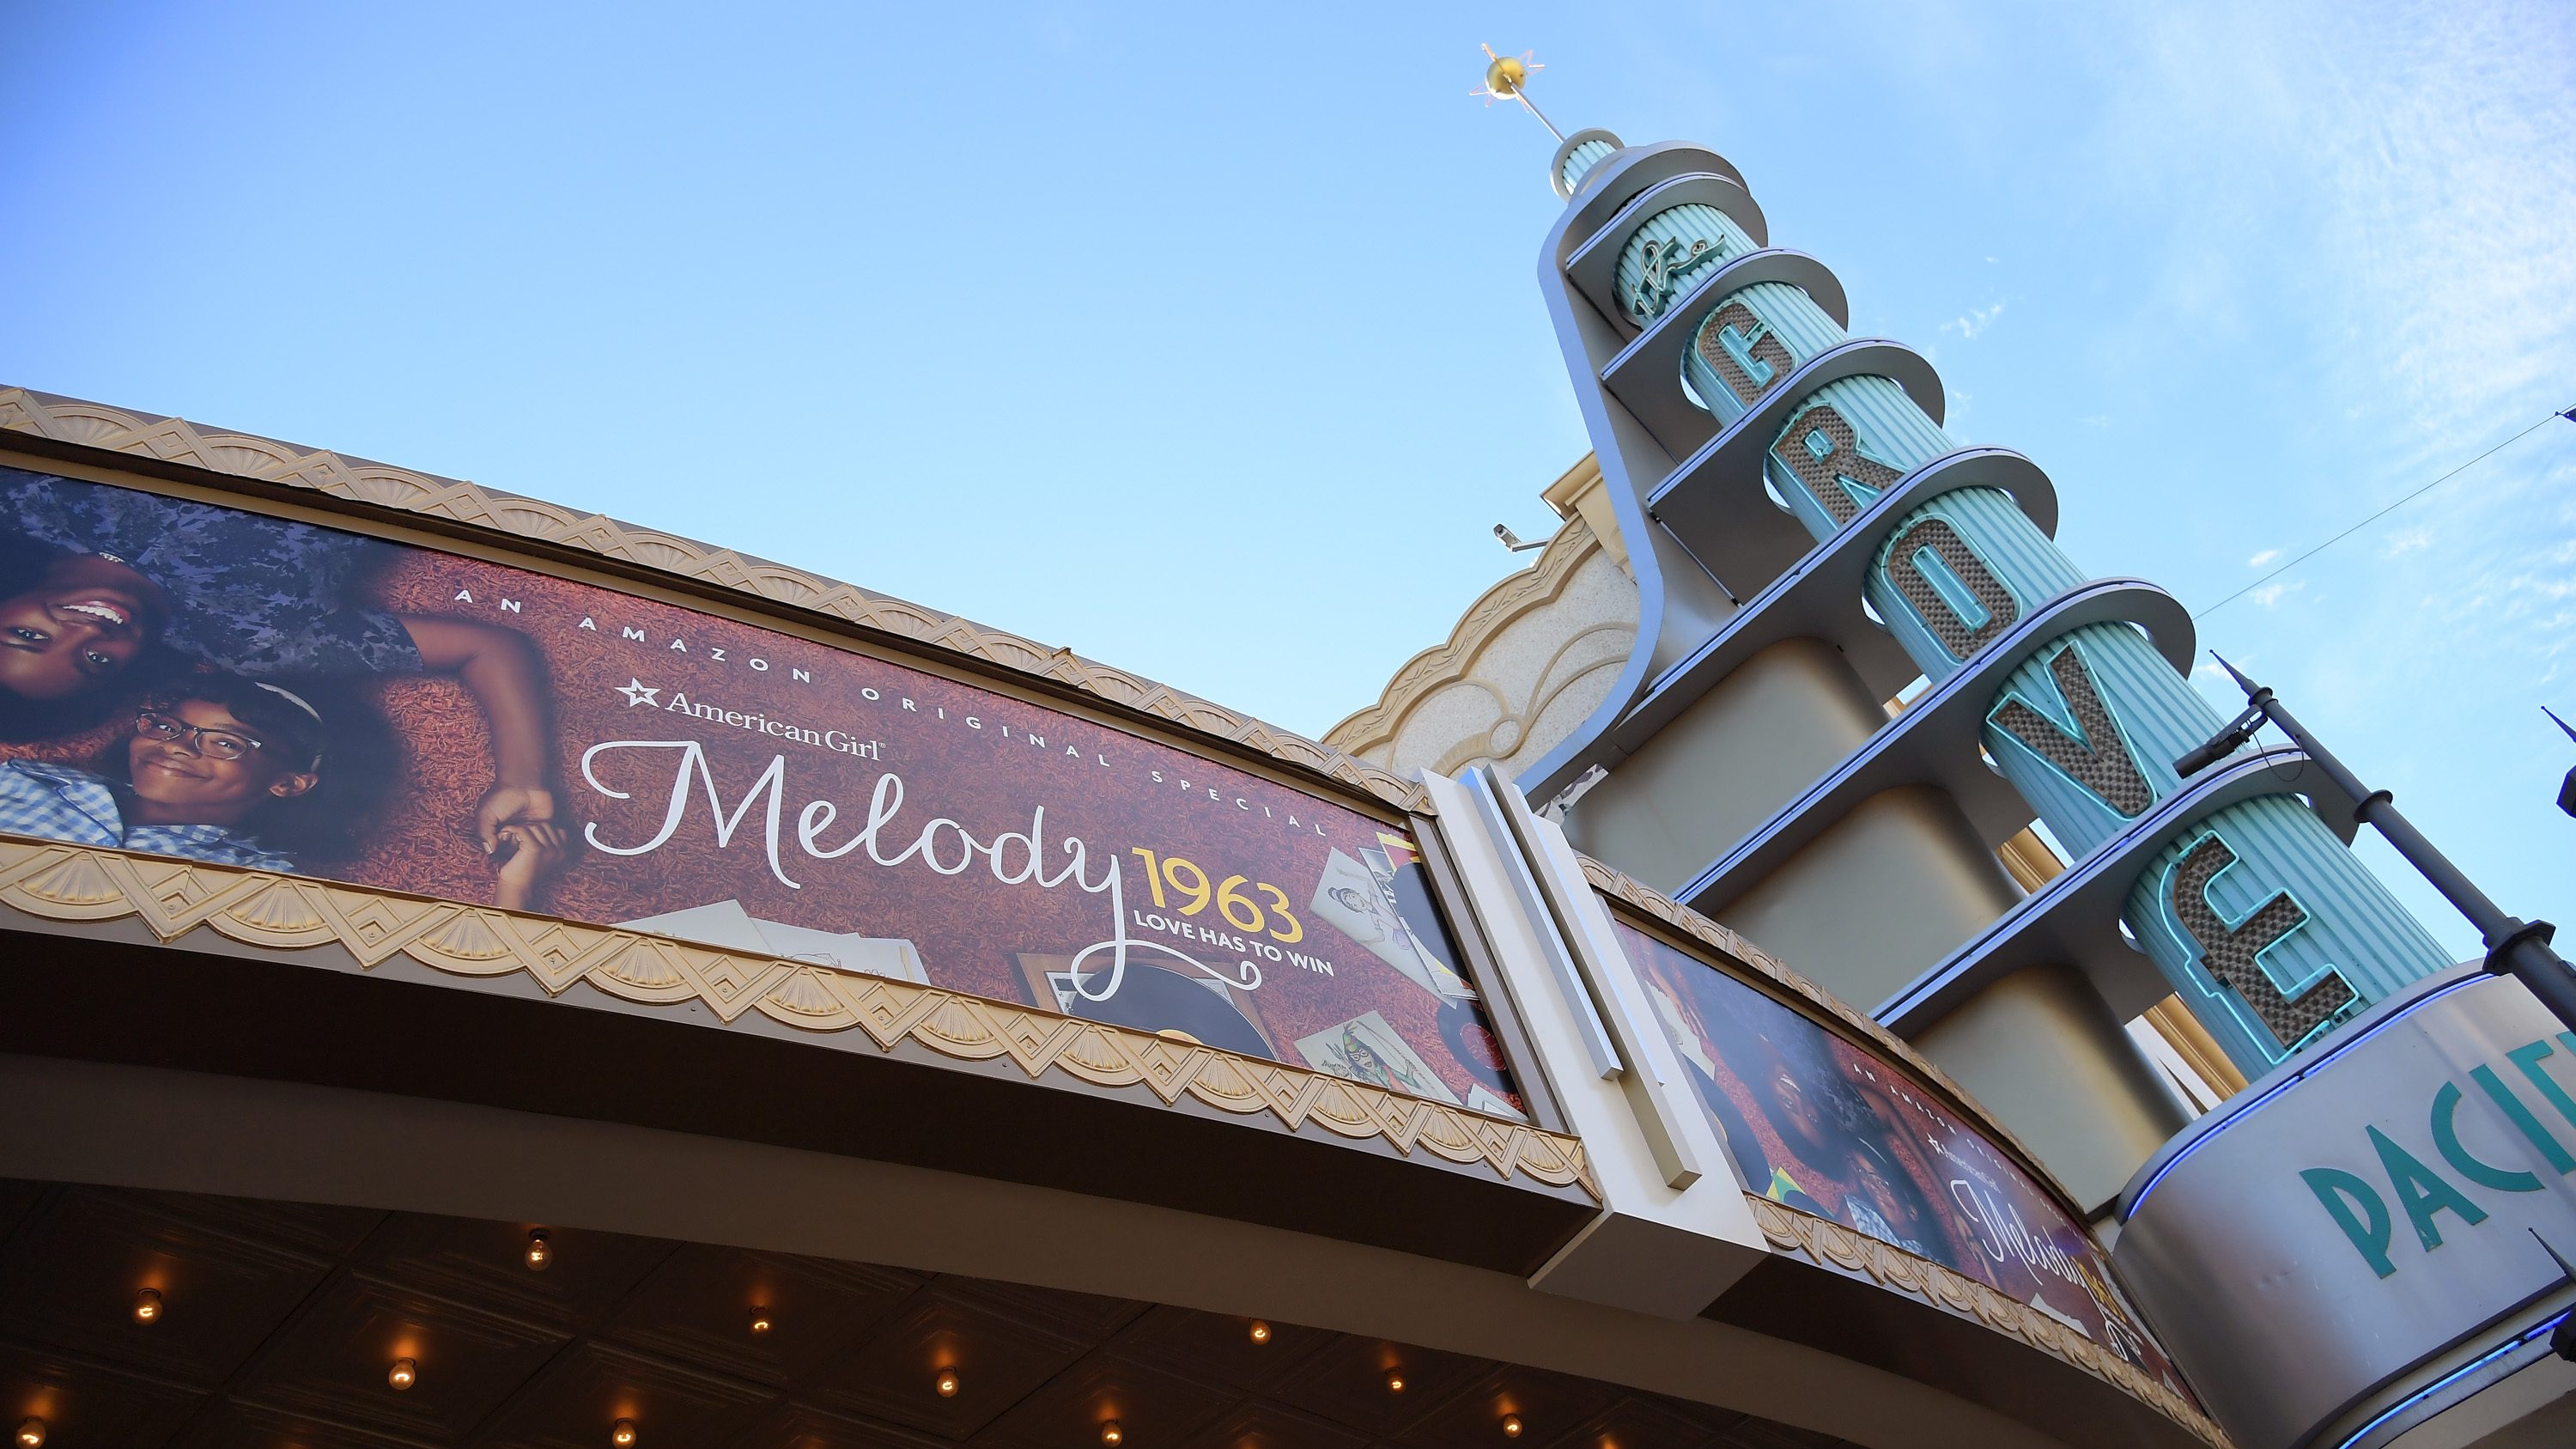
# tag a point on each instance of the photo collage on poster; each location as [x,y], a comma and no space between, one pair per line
[219,684]
[1817,1123]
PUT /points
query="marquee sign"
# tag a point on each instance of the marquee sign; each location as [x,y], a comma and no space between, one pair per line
[219,684]
[2317,1249]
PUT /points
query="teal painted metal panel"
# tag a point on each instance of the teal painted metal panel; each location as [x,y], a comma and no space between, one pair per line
[2155,713]
[1779,310]
[1582,159]
[1673,230]
[1890,428]
[2002,536]
[2352,927]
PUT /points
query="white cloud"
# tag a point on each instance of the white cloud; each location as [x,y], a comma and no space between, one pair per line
[2260,559]
[2407,540]
[2422,151]
[1977,320]
[2096,420]
[2272,594]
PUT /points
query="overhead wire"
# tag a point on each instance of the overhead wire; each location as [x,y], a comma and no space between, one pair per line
[2568,414]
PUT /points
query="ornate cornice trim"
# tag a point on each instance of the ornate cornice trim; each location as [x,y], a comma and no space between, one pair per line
[1682,920]
[1535,587]
[1830,1245]
[172,897]
[175,440]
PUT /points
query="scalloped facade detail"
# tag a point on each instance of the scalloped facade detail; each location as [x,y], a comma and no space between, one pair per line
[174,897]
[1524,667]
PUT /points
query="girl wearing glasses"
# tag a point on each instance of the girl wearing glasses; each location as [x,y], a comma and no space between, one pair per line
[102,589]
[240,772]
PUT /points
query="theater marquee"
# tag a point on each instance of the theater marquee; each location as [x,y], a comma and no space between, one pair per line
[220,684]
[2363,1239]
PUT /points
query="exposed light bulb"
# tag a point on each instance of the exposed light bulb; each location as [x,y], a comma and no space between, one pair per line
[946,1383]
[1511,1426]
[759,1320]
[31,1434]
[1260,1331]
[622,1433]
[147,1306]
[403,1374]
[1112,1435]
[541,1254]
[1395,1381]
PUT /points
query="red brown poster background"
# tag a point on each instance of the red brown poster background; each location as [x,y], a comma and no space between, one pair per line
[1817,1123]
[779,747]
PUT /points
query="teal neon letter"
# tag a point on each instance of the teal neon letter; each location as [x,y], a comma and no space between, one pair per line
[2422,1191]
[2096,758]
[2528,1058]
[2340,1191]
[1829,474]
[2529,1125]
[2446,1136]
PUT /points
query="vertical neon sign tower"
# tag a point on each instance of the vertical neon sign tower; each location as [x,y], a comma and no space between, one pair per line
[1805,535]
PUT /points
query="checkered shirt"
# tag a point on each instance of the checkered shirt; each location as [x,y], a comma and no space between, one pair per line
[57,802]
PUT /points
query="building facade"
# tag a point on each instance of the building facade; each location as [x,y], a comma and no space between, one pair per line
[484,974]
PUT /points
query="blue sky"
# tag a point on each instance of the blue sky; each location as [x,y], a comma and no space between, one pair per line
[1205,339]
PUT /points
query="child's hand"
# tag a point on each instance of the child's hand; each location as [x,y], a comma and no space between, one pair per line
[510,804]
[536,850]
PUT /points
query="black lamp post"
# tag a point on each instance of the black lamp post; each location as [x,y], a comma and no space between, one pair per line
[2515,947]
[2566,787]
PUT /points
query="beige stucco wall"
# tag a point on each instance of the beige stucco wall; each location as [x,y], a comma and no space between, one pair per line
[1724,765]
[1528,662]
[1878,898]
[2043,1053]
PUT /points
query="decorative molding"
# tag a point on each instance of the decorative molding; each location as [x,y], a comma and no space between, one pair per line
[173,897]
[1579,492]
[174,440]
[1379,732]
[1648,901]
[1829,1244]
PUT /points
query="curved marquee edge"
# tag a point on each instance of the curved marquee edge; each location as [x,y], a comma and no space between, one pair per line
[1831,1246]
[173,897]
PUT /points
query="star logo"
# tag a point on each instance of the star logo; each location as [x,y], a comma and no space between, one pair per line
[638,692]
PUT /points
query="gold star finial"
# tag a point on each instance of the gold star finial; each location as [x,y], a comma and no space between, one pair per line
[1507,79]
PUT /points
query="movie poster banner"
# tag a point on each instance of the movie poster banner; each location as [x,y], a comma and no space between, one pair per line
[209,682]
[1817,1123]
